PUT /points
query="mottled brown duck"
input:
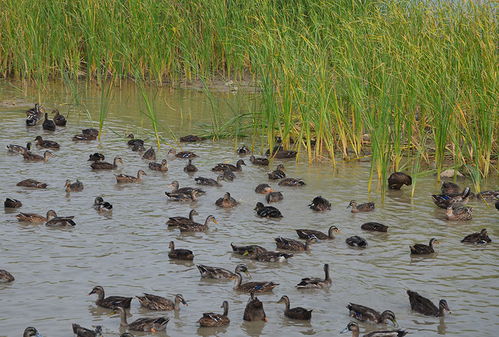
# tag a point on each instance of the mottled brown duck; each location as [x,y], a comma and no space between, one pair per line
[197,227]
[274,197]
[253,287]
[354,328]
[12,203]
[356,241]
[180,220]
[35,218]
[59,119]
[374,227]
[209,181]
[211,319]
[267,211]
[134,141]
[292,182]
[162,167]
[263,189]
[296,312]
[271,256]
[259,161]
[182,154]
[104,165]
[123,178]
[320,204]
[96,157]
[190,167]
[481,237]
[180,254]
[77,186]
[459,213]
[294,245]
[248,250]
[31,183]
[243,150]
[422,249]
[357,208]
[425,306]
[221,273]
[102,206]
[278,173]
[55,221]
[143,324]
[450,188]
[111,302]
[183,196]
[397,179]
[316,282]
[5,276]
[46,144]
[80,331]
[175,188]
[254,310]
[307,233]
[190,139]
[363,313]
[226,201]
[149,154]
[30,156]
[155,302]
[13,148]
[30,332]
[446,200]
[234,168]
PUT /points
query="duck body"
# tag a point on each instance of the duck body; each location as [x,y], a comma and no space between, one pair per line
[425,306]
[447,200]
[84,332]
[12,203]
[123,178]
[30,156]
[134,141]
[374,227]
[274,197]
[267,211]
[363,313]
[96,157]
[459,213]
[354,328]
[211,319]
[450,188]
[307,233]
[176,189]
[77,186]
[143,324]
[162,167]
[103,165]
[59,119]
[421,249]
[190,167]
[86,135]
[220,273]
[33,115]
[249,250]
[291,182]
[263,189]
[316,282]
[295,313]
[46,144]
[59,221]
[291,244]
[320,204]
[150,154]
[478,238]
[5,276]
[398,179]
[190,139]
[159,303]
[180,254]
[365,207]
[356,241]
[234,168]
[182,154]
[183,196]
[243,150]
[227,175]
[31,183]
[48,124]
[180,220]
[278,173]
[197,227]
[102,206]
[271,256]
[259,161]
[208,181]
[30,332]
[488,195]
[254,310]
[35,218]
[226,201]
[13,148]
[111,302]
[253,287]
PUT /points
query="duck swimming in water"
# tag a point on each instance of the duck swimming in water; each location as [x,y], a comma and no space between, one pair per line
[48,124]
[316,282]
[143,324]
[102,206]
[155,302]
[294,245]
[190,139]
[59,221]
[84,332]
[134,141]
[30,332]
[96,157]
[123,178]
[180,220]
[267,211]
[278,173]
[149,154]
[446,200]
[356,208]
[459,213]
[47,144]
[59,119]
[35,218]
[226,201]
[110,302]
[182,154]
[478,238]
[320,204]
[259,161]
[13,148]
[425,306]
[180,254]
[307,233]
[5,276]
[354,328]
[208,181]
[162,167]
[190,167]
[363,313]
[254,310]
[197,227]
[398,179]
[30,156]
[374,227]
[243,150]
[211,319]
[234,168]
[274,197]
[421,249]
[221,273]
[175,188]
[77,186]
[263,189]
[295,313]
[103,165]
[31,183]
[291,182]
[253,287]
[12,203]
[356,241]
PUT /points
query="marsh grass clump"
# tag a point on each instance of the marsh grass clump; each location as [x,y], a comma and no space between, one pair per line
[418,77]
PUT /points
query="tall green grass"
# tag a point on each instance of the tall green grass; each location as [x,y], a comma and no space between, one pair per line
[419,77]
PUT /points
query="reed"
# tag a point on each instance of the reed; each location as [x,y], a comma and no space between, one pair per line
[418,77]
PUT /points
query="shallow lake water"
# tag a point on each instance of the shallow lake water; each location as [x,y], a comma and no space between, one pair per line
[126,253]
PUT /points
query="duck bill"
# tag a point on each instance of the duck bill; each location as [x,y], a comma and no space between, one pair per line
[346,329]
[395,323]
[247,273]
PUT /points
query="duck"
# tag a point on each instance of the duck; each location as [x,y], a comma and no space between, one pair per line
[488,195]
[243,150]
[253,287]
[190,139]
[59,119]
[30,156]
[263,189]
[356,241]
[291,182]
[32,120]
[227,175]
[271,256]
[183,196]
[365,207]
[254,310]
[446,200]
[226,201]
[31,183]
[84,332]
[48,124]
[5,276]
[320,204]
[81,137]
[267,211]
[397,179]
[33,115]
[12,203]
[259,161]
[293,245]
[77,186]
[197,227]
[47,144]
[35,218]
[208,181]
[143,324]
[478,238]
[221,273]
[425,306]
[13,148]
[111,302]
[316,282]
[138,148]
[180,220]
[123,178]
[459,213]
[421,249]
[134,141]
[278,173]
[175,188]
[450,188]
[363,313]
[30,332]
[279,152]
[96,157]
[211,319]
[59,221]
[102,206]
[497,205]
[307,233]
[374,227]
[104,165]
[354,328]
[162,167]
[149,154]
[190,167]
[182,154]
[180,254]
[234,168]
[126,334]
[155,302]
[249,250]
[274,197]
[295,313]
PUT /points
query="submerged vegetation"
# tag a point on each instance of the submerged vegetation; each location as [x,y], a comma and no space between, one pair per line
[391,79]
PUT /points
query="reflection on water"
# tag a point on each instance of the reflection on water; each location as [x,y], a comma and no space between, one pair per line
[127,252]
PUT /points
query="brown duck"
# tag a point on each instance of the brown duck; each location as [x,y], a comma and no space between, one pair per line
[295,313]
[31,183]
[35,218]
[211,319]
[180,254]
[154,302]
[111,302]
[307,233]
[103,165]
[143,324]
[162,167]
[30,156]
[357,208]
[226,201]
[123,178]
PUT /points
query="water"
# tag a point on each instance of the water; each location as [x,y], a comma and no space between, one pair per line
[127,253]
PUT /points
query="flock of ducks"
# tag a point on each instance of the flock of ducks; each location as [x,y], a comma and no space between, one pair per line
[451,198]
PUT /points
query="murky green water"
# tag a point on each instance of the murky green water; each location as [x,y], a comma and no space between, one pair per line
[127,253]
